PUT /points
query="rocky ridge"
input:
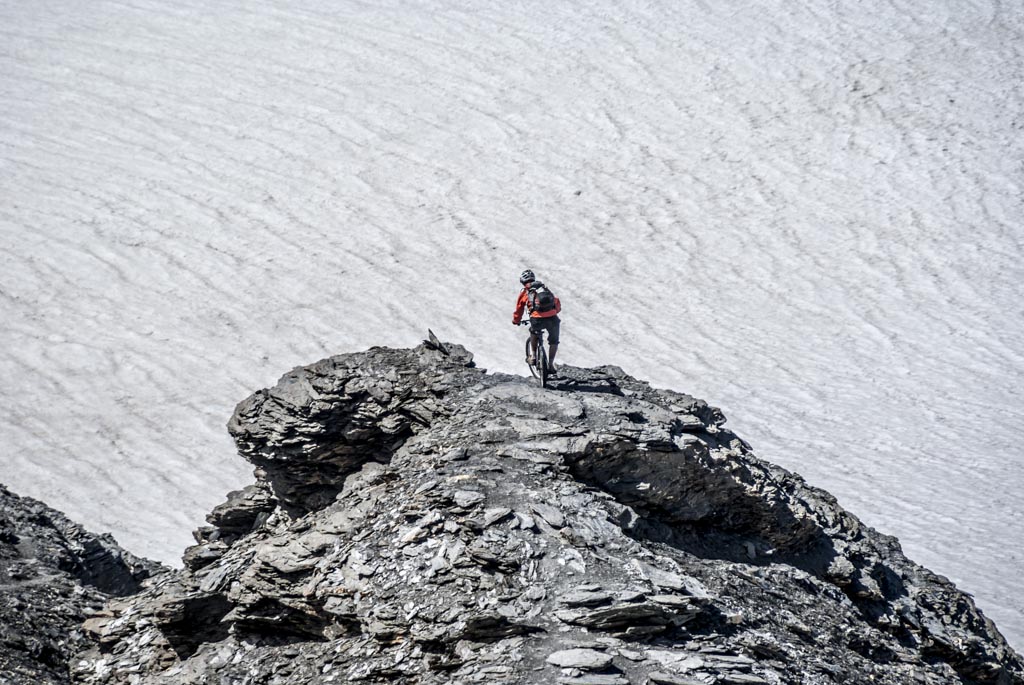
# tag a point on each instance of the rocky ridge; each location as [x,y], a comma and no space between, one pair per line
[54,575]
[417,520]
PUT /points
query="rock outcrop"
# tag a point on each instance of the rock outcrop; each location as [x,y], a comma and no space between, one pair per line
[54,575]
[417,520]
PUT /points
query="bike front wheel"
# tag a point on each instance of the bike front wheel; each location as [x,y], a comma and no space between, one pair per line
[534,370]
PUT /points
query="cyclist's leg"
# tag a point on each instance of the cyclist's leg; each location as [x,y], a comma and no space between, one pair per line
[553,329]
[534,336]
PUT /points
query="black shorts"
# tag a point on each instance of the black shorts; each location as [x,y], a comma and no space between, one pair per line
[551,324]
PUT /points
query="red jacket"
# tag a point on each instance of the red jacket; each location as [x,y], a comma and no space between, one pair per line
[522,302]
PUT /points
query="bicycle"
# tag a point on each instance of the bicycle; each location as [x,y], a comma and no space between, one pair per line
[539,369]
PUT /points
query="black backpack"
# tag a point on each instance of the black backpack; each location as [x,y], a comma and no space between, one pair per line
[541,299]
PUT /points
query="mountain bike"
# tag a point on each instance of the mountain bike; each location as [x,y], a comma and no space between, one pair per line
[539,369]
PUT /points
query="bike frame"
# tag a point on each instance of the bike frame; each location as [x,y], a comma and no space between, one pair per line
[539,369]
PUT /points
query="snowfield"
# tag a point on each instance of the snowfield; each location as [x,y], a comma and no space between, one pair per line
[809,214]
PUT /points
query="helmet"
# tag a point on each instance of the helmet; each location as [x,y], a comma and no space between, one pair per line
[526,277]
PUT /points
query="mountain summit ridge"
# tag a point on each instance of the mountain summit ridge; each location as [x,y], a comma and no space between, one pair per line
[418,520]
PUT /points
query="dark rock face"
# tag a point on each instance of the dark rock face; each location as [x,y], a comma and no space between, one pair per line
[324,421]
[417,520]
[53,575]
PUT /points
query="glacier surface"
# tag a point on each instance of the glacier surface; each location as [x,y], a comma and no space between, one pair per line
[809,214]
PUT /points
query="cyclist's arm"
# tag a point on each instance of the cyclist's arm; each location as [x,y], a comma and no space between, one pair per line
[517,315]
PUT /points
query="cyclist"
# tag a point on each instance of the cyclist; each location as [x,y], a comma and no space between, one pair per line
[544,308]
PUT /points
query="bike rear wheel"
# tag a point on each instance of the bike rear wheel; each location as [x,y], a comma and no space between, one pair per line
[542,363]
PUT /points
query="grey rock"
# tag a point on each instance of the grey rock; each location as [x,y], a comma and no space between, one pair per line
[728,661]
[631,619]
[585,659]
[198,556]
[485,628]
[669,579]
[662,678]
[244,511]
[495,514]
[743,679]
[676,660]
[551,515]
[535,593]
[409,523]
[54,579]
[595,679]
[468,498]
[585,598]
[525,521]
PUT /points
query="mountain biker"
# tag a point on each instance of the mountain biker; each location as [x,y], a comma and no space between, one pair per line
[543,315]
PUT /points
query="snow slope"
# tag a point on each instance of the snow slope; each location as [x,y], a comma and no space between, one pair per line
[809,215]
